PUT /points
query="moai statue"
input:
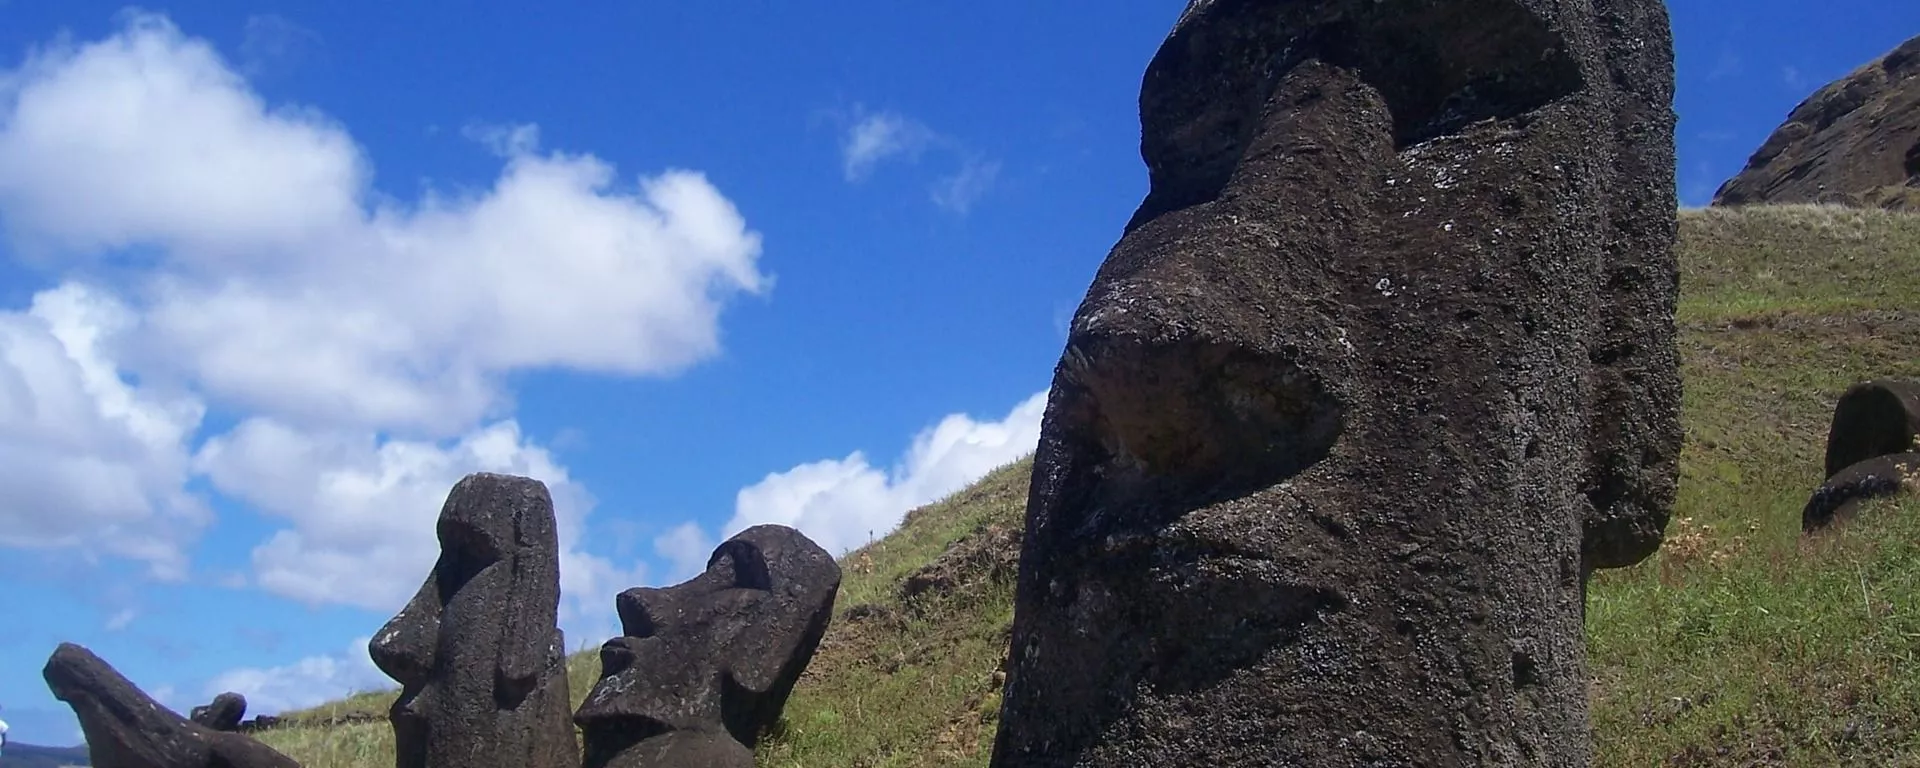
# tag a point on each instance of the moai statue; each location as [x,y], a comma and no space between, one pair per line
[126,728]
[224,714]
[704,667]
[1379,371]
[478,654]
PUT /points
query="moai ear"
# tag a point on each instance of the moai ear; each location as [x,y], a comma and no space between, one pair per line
[404,647]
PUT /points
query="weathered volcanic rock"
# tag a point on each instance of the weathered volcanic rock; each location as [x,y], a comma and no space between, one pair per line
[1840,496]
[477,652]
[1855,142]
[126,728]
[224,714]
[1873,418]
[704,667]
[1382,366]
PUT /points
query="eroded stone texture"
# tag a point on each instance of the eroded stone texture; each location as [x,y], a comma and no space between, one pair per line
[1380,369]
[704,667]
[477,651]
[1873,418]
[224,714]
[126,728]
[1841,495]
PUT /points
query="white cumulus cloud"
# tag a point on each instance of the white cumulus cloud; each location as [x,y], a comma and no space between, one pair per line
[265,232]
[305,683]
[236,256]
[842,503]
[89,461]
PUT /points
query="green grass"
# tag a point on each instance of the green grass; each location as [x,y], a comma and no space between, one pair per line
[1740,643]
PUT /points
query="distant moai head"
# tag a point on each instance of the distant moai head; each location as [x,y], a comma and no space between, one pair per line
[477,652]
[705,666]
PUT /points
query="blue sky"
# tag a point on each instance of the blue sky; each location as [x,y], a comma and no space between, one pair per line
[274,275]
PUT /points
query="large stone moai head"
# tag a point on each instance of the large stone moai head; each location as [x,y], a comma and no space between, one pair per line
[1380,369]
[126,728]
[704,667]
[477,652]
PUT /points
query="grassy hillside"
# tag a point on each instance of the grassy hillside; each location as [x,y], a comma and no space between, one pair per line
[1738,644]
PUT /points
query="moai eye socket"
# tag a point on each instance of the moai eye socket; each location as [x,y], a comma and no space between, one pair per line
[740,565]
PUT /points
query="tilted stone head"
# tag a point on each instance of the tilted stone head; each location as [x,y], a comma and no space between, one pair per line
[126,728]
[477,652]
[705,666]
[224,714]
[1380,369]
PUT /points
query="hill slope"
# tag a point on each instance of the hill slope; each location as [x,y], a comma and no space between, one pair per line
[1855,141]
[1739,643]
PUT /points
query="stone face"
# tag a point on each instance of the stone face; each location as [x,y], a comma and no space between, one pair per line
[704,667]
[126,728]
[1855,141]
[1379,370]
[1873,418]
[224,714]
[1878,477]
[477,652]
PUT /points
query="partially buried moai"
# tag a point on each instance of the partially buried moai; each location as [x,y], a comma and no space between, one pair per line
[1381,368]
[126,728]
[477,652]
[704,667]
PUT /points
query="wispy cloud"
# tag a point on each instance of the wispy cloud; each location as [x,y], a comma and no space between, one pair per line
[120,620]
[270,44]
[1795,80]
[958,191]
[879,136]
[871,138]
[1727,64]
